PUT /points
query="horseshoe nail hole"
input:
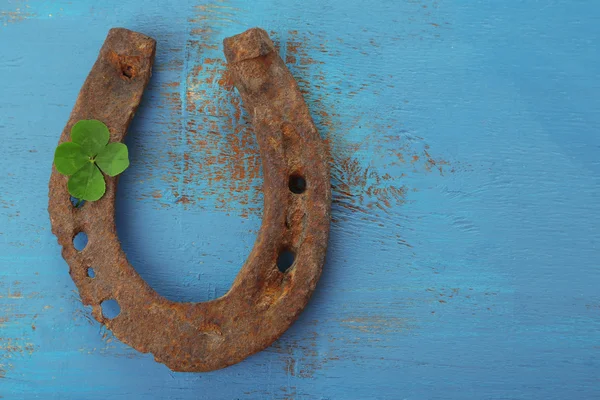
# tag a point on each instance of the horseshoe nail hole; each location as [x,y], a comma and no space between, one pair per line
[91,273]
[110,308]
[297,184]
[127,71]
[77,203]
[285,260]
[80,241]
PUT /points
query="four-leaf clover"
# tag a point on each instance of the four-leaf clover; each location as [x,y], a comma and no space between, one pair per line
[87,154]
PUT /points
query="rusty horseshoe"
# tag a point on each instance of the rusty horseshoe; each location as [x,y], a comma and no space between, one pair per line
[263,301]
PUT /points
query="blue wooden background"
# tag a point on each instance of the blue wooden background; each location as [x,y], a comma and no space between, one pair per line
[464,253]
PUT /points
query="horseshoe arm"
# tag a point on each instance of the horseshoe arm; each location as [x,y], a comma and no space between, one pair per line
[262,302]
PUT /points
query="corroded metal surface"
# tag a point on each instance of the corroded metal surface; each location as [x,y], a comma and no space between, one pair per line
[263,301]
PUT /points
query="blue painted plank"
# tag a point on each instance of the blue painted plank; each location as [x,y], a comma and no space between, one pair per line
[464,250]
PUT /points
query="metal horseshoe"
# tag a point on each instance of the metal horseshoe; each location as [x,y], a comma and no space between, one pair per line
[263,301]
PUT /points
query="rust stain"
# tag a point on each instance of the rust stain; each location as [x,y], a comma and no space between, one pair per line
[11,348]
[213,156]
[361,181]
[11,291]
[183,200]
[9,205]
[224,153]
[14,295]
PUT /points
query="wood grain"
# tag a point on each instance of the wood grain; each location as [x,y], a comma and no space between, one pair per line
[463,259]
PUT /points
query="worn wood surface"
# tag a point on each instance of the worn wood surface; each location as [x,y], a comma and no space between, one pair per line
[464,252]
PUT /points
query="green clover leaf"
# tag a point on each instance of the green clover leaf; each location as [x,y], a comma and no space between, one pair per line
[69,158]
[87,183]
[91,134]
[88,154]
[113,159]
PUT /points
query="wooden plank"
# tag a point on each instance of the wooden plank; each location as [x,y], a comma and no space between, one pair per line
[464,252]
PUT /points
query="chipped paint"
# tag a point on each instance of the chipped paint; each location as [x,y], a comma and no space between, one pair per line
[11,351]
[302,359]
[480,116]
[360,184]
[13,348]
[16,11]
[379,325]
[215,144]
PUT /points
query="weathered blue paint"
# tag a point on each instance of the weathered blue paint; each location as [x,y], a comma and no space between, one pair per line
[464,250]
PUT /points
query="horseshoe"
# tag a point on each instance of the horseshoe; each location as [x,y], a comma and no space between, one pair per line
[263,301]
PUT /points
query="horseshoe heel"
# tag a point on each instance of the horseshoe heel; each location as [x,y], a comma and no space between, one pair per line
[263,301]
